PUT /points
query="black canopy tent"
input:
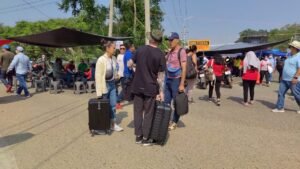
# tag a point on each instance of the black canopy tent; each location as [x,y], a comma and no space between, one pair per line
[239,48]
[65,37]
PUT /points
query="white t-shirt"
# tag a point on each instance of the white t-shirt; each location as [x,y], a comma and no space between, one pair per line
[120,62]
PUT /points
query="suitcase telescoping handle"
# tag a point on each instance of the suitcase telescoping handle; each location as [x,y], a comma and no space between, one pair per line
[99,106]
[99,103]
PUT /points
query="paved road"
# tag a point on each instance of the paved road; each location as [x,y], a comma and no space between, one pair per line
[50,132]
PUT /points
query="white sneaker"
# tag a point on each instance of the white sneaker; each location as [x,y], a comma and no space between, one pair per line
[298,111]
[117,128]
[278,110]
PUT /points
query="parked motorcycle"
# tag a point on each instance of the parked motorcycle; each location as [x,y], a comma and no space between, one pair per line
[202,84]
[228,78]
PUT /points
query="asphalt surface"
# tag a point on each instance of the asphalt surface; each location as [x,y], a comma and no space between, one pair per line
[49,131]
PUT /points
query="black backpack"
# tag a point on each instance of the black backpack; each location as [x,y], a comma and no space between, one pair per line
[191,72]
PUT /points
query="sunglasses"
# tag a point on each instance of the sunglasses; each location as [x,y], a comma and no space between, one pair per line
[122,48]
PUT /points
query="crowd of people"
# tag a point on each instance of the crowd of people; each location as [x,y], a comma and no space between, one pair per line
[148,74]
[68,73]
[154,75]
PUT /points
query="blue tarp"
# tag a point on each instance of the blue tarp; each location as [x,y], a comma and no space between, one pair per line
[274,52]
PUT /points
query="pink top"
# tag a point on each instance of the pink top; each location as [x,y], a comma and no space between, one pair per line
[264,65]
[173,58]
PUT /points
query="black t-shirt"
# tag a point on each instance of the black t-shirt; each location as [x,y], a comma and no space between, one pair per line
[149,61]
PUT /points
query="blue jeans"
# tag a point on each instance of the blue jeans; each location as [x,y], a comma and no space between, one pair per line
[22,84]
[121,94]
[112,96]
[6,78]
[3,77]
[170,92]
[283,88]
[69,78]
[270,77]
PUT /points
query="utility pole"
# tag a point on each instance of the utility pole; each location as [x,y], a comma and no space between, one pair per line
[134,21]
[111,17]
[184,35]
[147,19]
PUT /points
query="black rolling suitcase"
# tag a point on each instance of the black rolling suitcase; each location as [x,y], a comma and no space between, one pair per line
[99,116]
[160,124]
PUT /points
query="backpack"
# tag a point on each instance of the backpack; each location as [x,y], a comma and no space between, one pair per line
[280,64]
[209,73]
[191,72]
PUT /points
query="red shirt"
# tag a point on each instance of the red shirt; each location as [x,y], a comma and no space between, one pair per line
[88,74]
[70,66]
[218,69]
[251,74]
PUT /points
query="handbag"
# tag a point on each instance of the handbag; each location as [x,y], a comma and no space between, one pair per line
[270,69]
[181,104]
[209,73]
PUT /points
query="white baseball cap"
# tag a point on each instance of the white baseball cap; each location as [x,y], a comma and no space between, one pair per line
[20,49]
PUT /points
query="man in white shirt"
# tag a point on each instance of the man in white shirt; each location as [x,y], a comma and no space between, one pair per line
[120,62]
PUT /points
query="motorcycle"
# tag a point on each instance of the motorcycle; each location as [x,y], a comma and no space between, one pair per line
[228,78]
[202,84]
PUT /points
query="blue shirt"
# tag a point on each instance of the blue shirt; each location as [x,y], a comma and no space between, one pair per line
[21,63]
[291,65]
[127,57]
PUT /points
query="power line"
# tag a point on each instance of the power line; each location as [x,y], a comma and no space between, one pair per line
[185,5]
[179,7]
[37,9]
[174,9]
[22,5]
[24,8]
[169,18]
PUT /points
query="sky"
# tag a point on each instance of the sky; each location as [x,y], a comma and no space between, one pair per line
[219,21]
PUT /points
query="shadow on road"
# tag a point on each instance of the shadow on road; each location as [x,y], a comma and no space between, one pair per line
[268,104]
[180,124]
[204,98]
[236,99]
[14,139]
[15,98]
[121,116]
[10,99]
[131,124]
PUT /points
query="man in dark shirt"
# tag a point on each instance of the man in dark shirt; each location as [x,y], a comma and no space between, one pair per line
[5,59]
[147,85]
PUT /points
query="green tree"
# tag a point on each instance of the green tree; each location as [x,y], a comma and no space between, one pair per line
[130,21]
[290,31]
[89,12]
[129,16]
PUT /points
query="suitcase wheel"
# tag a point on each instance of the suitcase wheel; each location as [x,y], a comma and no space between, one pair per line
[108,132]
